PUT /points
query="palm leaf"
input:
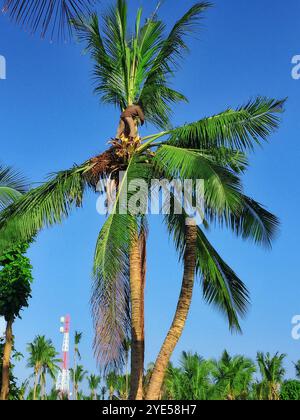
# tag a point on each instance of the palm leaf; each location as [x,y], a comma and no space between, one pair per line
[238,129]
[46,205]
[12,185]
[222,186]
[221,286]
[42,16]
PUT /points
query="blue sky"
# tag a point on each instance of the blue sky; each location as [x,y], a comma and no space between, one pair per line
[50,119]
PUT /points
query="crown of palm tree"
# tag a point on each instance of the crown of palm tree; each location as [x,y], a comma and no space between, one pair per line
[137,68]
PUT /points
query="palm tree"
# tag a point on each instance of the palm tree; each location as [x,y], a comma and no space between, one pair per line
[233,376]
[272,372]
[121,387]
[192,381]
[297,367]
[94,382]
[103,392]
[111,383]
[44,18]
[137,69]
[127,347]
[42,358]
[77,355]
[77,376]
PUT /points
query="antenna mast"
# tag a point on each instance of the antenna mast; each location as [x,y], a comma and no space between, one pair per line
[63,379]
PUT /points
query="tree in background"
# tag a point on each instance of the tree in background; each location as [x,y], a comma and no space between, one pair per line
[191,381]
[290,391]
[43,360]
[297,367]
[15,291]
[233,376]
[77,376]
[77,356]
[111,384]
[272,372]
[94,382]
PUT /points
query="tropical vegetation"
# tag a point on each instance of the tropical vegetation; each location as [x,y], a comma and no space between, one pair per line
[135,66]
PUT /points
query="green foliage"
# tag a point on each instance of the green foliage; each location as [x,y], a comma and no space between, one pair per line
[136,68]
[192,381]
[15,281]
[290,391]
[272,372]
[43,360]
[12,185]
[233,377]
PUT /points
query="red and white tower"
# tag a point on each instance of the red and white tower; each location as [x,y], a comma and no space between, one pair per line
[63,379]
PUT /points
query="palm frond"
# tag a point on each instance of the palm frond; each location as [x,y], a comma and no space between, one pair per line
[53,17]
[46,205]
[221,286]
[222,186]
[135,68]
[12,185]
[238,129]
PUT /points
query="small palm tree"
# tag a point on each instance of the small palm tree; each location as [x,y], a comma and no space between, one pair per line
[78,376]
[111,384]
[297,367]
[192,381]
[77,356]
[272,372]
[94,382]
[103,393]
[233,376]
[42,358]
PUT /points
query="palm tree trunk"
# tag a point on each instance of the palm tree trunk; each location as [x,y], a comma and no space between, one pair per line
[180,317]
[74,373]
[6,360]
[36,374]
[137,288]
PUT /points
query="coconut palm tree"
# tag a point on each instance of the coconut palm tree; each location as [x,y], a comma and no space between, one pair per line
[77,376]
[94,382]
[272,372]
[52,17]
[136,67]
[233,376]
[111,383]
[191,381]
[103,392]
[297,367]
[77,356]
[42,358]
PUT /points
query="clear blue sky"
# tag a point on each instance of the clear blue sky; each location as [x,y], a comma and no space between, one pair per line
[51,119]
